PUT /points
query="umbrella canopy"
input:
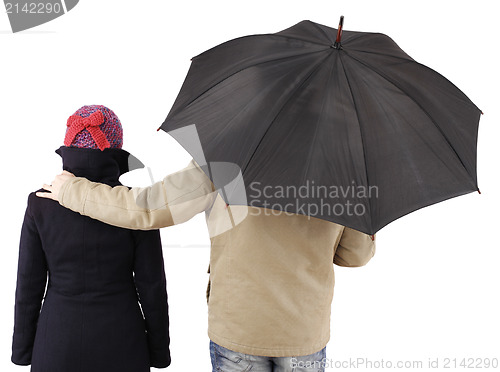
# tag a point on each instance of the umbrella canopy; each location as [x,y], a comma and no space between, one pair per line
[351,130]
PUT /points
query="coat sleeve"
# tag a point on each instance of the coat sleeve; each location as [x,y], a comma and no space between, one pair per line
[31,281]
[175,199]
[354,249]
[150,282]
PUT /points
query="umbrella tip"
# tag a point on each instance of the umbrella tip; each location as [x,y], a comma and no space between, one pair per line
[337,44]
[373,237]
[479,191]
[158,129]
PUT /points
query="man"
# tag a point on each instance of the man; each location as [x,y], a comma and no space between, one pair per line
[271,274]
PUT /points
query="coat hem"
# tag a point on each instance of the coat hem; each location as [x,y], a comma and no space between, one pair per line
[268,352]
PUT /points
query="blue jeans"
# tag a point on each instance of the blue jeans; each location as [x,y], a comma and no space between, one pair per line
[225,360]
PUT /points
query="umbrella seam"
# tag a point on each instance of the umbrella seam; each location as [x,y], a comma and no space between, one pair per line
[316,130]
[410,59]
[323,31]
[363,34]
[314,70]
[279,34]
[170,117]
[272,60]
[296,38]
[274,119]
[419,105]
[346,41]
[257,36]
[361,135]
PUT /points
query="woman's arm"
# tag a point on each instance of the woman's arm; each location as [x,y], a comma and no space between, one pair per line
[31,281]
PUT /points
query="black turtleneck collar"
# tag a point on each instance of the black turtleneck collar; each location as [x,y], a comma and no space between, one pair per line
[98,166]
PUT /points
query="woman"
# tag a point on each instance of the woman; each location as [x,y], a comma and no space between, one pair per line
[91,320]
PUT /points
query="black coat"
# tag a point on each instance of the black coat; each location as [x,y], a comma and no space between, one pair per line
[90,320]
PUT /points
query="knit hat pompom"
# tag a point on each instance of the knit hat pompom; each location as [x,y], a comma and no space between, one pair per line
[94,127]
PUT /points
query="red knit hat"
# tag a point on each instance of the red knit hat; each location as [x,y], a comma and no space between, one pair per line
[94,127]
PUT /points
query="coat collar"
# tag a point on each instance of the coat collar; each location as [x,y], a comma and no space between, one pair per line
[98,166]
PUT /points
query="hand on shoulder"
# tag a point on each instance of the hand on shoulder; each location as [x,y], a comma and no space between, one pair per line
[54,188]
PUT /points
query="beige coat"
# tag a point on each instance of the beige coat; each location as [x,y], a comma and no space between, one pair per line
[271,275]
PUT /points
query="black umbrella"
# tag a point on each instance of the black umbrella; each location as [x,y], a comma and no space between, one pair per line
[338,125]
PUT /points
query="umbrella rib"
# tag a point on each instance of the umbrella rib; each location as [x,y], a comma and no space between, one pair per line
[297,38]
[419,105]
[409,59]
[323,31]
[258,36]
[313,71]
[227,77]
[316,129]
[362,34]
[361,135]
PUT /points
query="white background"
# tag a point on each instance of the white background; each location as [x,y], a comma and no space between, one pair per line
[431,291]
